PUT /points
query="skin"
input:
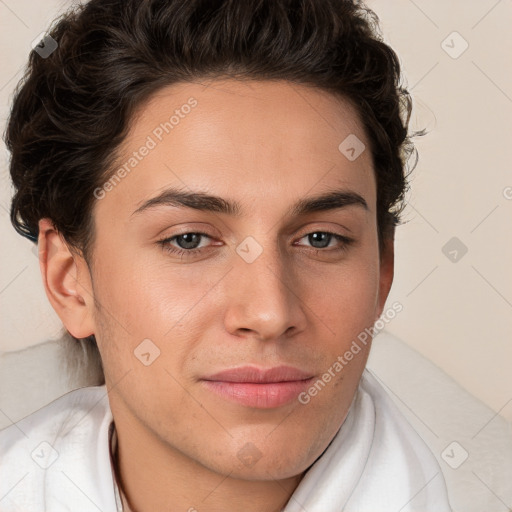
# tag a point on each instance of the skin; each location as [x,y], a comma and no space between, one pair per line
[265,145]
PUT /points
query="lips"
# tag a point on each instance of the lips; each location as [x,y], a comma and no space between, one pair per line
[257,375]
[260,388]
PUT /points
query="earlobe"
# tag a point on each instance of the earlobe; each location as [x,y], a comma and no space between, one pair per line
[66,280]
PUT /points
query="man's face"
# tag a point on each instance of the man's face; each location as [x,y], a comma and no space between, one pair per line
[269,287]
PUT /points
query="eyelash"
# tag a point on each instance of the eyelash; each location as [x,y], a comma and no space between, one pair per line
[165,243]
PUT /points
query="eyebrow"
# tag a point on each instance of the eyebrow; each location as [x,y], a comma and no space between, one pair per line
[209,203]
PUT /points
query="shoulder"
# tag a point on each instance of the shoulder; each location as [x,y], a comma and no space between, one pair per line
[398,449]
[53,452]
[394,437]
[70,416]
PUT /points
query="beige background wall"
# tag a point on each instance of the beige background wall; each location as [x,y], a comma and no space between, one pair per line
[458,314]
[457,307]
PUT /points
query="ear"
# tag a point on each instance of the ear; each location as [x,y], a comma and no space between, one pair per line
[67,281]
[387,269]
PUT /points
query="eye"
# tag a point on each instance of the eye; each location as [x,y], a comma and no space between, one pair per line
[188,243]
[322,239]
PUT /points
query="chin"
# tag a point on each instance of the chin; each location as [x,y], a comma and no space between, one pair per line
[265,472]
[267,463]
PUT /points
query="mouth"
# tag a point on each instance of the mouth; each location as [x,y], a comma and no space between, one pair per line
[259,388]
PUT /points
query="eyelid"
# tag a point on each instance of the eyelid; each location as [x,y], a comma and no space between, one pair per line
[323,229]
[194,227]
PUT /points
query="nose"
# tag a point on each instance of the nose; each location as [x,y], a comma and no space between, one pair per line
[264,298]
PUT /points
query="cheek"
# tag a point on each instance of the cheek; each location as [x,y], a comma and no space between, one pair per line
[346,300]
[141,299]
[137,288]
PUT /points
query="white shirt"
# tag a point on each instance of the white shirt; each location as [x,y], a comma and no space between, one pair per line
[59,458]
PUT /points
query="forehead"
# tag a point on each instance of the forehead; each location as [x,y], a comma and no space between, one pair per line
[242,138]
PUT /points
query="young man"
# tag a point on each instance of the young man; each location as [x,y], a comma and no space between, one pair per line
[214,188]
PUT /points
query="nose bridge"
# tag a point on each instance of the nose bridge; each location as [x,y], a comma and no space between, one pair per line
[262,298]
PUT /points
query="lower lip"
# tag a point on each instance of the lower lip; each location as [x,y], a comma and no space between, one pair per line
[260,395]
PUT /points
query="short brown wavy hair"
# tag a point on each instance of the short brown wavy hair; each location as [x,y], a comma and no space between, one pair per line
[72,109]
